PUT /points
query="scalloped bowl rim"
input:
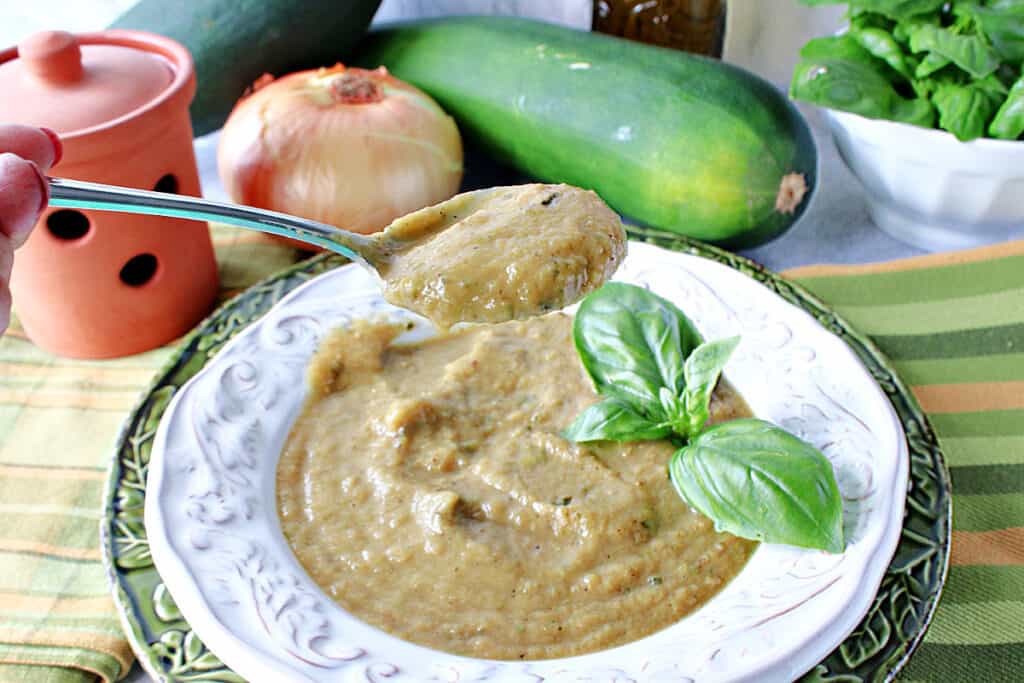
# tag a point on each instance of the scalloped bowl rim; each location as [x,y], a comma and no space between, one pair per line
[935,136]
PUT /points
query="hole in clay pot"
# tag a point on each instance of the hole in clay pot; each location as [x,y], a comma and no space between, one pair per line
[169,183]
[139,270]
[68,224]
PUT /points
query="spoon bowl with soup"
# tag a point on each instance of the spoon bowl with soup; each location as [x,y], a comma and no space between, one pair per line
[491,255]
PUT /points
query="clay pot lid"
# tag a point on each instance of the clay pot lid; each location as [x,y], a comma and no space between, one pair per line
[58,82]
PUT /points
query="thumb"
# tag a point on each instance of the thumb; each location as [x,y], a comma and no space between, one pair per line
[23,195]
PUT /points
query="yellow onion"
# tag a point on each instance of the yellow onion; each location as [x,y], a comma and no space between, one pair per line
[349,147]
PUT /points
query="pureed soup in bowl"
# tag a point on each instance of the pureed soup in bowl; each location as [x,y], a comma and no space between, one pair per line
[215,533]
[428,489]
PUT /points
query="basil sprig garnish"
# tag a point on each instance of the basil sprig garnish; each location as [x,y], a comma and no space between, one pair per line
[656,374]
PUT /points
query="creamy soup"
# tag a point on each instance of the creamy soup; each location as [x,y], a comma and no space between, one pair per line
[426,488]
[503,253]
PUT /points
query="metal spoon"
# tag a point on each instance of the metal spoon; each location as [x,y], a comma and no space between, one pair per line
[409,266]
[368,252]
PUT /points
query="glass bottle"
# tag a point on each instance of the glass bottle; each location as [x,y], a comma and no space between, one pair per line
[692,25]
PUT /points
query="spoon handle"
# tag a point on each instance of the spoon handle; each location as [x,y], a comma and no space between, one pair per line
[82,195]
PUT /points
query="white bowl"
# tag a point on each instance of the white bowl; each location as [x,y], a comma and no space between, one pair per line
[926,188]
[216,539]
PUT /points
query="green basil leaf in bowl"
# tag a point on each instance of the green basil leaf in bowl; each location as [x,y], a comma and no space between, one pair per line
[882,45]
[972,53]
[1008,123]
[757,481]
[965,110]
[853,86]
[633,343]
[1003,22]
[702,369]
[613,420]
[899,10]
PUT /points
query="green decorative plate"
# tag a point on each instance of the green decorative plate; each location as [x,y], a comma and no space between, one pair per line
[879,646]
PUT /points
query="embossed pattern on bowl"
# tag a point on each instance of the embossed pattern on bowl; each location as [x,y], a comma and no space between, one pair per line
[215,537]
[927,188]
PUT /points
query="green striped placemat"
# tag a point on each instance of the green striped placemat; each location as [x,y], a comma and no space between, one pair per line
[953,326]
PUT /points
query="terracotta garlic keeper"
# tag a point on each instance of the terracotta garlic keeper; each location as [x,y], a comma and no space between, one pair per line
[97,284]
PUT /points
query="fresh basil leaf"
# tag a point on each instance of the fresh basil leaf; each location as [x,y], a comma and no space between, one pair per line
[632,343]
[673,407]
[612,420]
[993,87]
[1008,6]
[702,369]
[863,20]
[1008,123]
[882,45]
[901,33]
[925,87]
[900,10]
[1007,75]
[850,86]
[964,110]
[837,47]
[757,481]
[969,52]
[1002,22]
[931,63]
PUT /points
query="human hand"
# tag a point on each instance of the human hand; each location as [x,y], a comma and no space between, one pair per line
[26,153]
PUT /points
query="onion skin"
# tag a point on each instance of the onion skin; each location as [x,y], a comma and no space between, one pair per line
[348,147]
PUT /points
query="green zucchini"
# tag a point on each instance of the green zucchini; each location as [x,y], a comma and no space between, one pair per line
[675,141]
[234,42]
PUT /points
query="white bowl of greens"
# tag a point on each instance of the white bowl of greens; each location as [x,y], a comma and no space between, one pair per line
[925,101]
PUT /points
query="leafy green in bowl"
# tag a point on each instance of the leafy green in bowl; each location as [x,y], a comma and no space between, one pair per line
[953,65]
